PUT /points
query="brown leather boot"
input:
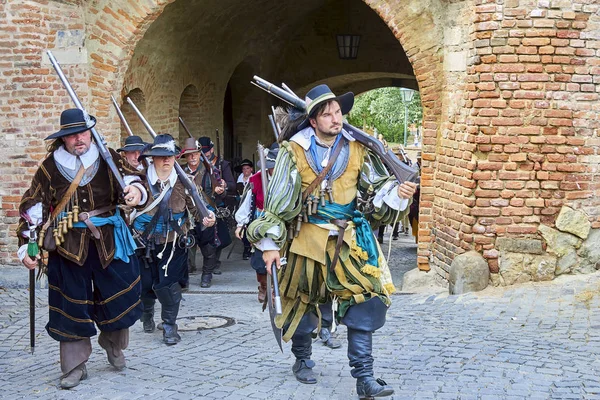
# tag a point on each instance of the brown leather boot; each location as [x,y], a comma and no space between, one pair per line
[262,289]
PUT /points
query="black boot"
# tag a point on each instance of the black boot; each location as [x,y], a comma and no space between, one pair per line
[302,349]
[360,347]
[170,298]
[205,281]
[148,315]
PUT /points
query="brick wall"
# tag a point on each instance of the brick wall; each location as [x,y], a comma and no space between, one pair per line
[532,92]
[31,96]
[509,91]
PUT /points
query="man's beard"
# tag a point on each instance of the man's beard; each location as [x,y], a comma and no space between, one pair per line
[81,152]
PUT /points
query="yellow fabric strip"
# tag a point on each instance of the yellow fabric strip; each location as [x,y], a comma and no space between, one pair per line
[110,321]
[80,320]
[114,296]
[66,334]
[72,300]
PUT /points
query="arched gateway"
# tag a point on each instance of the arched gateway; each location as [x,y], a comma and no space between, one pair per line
[508,92]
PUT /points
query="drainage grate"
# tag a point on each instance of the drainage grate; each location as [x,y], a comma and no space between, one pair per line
[203,322]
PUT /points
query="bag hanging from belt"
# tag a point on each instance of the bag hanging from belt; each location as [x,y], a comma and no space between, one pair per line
[49,241]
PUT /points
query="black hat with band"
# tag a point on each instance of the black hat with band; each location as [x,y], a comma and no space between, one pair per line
[73,121]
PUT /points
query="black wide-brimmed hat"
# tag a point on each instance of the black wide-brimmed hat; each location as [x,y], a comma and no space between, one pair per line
[245,161]
[205,144]
[133,143]
[321,94]
[73,121]
[163,146]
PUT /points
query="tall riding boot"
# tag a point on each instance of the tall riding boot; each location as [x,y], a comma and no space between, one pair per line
[170,298]
[326,323]
[262,288]
[191,261]
[209,263]
[148,314]
[360,348]
[114,343]
[302,349]
[217,270]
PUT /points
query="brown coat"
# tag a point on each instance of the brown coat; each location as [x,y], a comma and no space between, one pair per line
[179,202]
[49,186]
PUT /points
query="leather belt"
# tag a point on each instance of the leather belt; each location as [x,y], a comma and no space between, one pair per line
[86,215]
[342,225]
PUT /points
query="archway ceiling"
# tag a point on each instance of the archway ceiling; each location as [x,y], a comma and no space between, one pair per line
[209,34]
[188,27]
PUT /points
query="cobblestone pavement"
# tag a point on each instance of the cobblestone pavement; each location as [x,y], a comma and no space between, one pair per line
[533,341]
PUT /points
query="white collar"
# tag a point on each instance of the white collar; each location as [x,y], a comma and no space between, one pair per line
[69,161]
[303,137]
[153,176]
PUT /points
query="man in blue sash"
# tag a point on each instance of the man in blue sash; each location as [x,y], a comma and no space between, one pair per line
[333,256]
[93,277]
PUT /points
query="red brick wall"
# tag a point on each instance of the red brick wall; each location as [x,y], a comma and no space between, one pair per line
[31,96]
[533,96]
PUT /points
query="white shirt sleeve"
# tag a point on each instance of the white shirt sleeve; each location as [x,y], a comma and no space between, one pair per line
[243,213]
[389,194]
[267,243]
[136,181]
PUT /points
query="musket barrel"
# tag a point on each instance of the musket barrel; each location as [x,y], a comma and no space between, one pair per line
[263,178]
[97,137]
[121,116]
[274,126]
[187,183]
[278,92]
[185,128]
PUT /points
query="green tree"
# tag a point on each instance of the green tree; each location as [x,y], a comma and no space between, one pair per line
[383,109]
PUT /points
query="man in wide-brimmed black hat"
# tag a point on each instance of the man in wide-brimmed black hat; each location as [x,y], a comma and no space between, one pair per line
[320,175]
[191,154]
[163,229]
[134,145]
[225,184]
[93,275]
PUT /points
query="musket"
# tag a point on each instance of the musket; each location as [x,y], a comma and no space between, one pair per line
[207,164]
[121,116]
[274,126]
[401,171]
[273,298]
[32,308]
[187,183]
[99,139]
[219,163]
[125,124]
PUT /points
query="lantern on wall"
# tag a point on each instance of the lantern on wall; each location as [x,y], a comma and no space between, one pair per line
[347,45]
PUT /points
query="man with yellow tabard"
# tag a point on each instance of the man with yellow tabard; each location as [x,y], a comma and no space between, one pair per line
[326,191]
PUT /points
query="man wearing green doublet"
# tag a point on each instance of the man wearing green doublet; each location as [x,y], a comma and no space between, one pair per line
[326,194]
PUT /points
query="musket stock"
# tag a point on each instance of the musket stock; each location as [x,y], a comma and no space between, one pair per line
[401,171]
[273,297]
[104,153]
[187,183]
[205,162]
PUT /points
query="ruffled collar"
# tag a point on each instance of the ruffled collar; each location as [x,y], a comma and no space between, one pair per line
[68,160]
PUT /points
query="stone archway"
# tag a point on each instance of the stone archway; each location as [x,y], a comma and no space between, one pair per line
[418,30]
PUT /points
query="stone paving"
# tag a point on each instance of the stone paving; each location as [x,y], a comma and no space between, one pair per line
[532,341]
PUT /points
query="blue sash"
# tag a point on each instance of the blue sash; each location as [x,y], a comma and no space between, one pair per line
[364,235]
[124,243]
[139,224]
